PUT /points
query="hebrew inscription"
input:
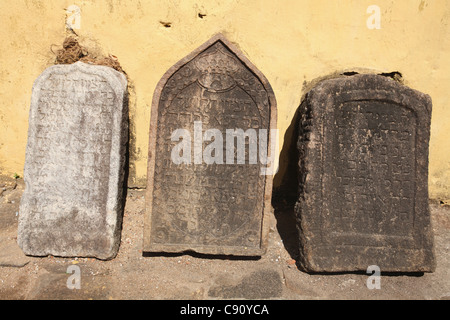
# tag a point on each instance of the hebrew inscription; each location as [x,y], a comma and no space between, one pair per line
[206,190]
[363,145]
[374,173]
[74,163]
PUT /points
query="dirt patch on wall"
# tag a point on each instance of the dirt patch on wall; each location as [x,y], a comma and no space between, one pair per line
[72,52]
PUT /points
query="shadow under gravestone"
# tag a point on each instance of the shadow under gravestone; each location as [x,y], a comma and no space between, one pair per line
[200,255]
[285,194]
[286,184]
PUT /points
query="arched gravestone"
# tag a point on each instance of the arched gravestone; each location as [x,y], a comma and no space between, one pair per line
[207,191]
[74,166]
[363,177]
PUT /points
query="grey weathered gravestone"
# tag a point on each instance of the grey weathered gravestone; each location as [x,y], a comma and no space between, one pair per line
[363,177]
[204,196]
[74,167]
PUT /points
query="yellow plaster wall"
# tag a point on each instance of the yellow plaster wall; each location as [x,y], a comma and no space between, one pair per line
[293,42]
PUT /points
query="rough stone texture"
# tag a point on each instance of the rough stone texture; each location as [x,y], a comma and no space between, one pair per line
[208,208]
[74,166]
[363,177]
[261,284]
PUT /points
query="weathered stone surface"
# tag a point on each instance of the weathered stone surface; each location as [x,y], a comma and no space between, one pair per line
[261,284]
[219,207]
[363,177]
[74,167]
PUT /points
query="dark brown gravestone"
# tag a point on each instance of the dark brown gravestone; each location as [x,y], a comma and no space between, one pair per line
[209,177]
[74,167]
[363,177]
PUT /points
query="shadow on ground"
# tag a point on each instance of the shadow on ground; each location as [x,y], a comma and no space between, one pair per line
[284,194]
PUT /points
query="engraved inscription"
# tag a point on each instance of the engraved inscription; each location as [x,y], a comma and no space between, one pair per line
[373,152]
[209,204]
[72,145]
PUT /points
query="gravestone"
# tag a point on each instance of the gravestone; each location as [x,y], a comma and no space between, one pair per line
[74,167]
[363,177]
[209,169]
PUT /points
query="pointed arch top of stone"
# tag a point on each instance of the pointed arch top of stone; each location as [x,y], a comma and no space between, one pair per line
[218,37]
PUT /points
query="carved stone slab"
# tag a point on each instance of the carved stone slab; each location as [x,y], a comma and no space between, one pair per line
[212,204]
[363,145]
[74,166]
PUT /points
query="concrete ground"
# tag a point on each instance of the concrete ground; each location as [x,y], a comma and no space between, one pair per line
[131,275]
